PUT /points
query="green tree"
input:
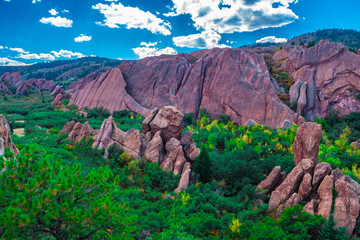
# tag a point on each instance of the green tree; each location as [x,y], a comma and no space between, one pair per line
[330,232]
[41,198]
[203,166]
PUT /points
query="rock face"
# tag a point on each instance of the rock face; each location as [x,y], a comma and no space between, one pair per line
[314,183]
[235,82]
[307,142]
[167,147]
[5,137]
[327,76]
[41,84]
[109,91]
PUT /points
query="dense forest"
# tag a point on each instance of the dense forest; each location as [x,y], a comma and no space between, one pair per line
[58,189]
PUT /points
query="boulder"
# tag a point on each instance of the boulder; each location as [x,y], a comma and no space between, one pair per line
[155,149]
[347,206]
[79,132]
[292,201]
[325,196]
[169,121]
[286,124]
[186,138]
[5,137]
[148,119]
[185,179]
[338,175]
[290,184]
[68,127]
[307,142]
[250,123]
[272,180]
[321,170]
[305,187]
[310,207]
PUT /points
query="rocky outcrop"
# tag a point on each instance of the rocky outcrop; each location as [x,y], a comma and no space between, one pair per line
[5,137]
[235,82]
[77,131]
[290,184]
[41,84]
[307,142]
[326,76]
[12,83]
[314,183]
[167,147]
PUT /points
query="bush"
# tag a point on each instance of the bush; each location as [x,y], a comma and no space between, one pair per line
[122,114]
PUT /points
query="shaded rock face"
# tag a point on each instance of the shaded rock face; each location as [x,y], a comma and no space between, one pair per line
[326,77]
[307,142]
[272,181]
[5,137]
[325,196]
[235,82]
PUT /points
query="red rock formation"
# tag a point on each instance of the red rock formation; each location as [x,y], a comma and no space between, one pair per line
[325,196]
[41,84]
[107,91]
[327,76]
[272,180]
[307,142]
[235,82]
[5,137]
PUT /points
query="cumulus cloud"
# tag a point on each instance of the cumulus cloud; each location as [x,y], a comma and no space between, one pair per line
[83,38]
[36,1]
[150,50]
[131,17]
[271,39]
[1,47]
[67,54]
[57,21]
[9,62]
[19,50]
[206,39]
[53,12]
[41,56]
[229,16]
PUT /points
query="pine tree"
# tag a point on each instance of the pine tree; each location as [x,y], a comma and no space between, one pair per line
[330,232]
[203,166]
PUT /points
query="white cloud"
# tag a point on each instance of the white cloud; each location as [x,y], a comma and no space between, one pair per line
[120,59]
[271,39]
[229,16]
[1,47]
[53,12]
[149,44]
[83,38]
[41,56]
[65,11]
[150,50]
[206,39]
[19,50]
[131,17]
[67,54]
[57,21]
[36,1]
[9,62]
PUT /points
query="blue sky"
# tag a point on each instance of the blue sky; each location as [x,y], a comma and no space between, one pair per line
[47,30]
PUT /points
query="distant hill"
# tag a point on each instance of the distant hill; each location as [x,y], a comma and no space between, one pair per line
[350,38]
[63,70]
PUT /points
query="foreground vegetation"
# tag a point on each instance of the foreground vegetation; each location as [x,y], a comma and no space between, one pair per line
[57,189]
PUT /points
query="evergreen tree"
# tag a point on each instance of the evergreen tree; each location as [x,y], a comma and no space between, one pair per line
[203,166]
[330,232]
